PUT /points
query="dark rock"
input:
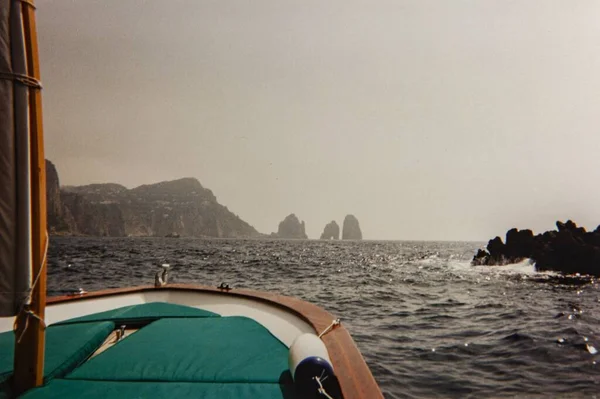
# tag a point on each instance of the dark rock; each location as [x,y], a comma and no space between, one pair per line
[519,244]
[331,231]
[481,258]
[351,228]
[495,247]
[569,250]
[179,207]
[291,228]
[569,225]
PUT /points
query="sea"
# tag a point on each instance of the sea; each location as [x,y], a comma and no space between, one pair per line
[428,323]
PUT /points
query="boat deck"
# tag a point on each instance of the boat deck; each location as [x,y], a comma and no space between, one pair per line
[171,351]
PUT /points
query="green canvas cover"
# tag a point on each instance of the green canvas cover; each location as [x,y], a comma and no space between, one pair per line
[143,313]
[183,352]
[78,389]
[224,350]
[66,347]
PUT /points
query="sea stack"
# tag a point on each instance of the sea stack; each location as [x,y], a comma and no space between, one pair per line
[351,229]
[291,227]
[331,231]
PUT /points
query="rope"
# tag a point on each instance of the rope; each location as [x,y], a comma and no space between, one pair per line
[330,327]
[28,313]
[26,80]
[25,308]
[322,390]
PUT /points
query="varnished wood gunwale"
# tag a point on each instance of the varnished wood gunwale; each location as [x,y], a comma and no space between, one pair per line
[354,375]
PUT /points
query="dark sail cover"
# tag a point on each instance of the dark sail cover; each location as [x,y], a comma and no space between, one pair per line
[15,223]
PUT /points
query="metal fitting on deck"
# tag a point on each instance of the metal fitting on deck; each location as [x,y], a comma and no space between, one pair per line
[162,277]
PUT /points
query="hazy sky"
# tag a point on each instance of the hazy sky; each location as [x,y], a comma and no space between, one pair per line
[447,119]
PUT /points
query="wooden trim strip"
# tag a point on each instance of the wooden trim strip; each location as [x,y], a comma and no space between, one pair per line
[354,375]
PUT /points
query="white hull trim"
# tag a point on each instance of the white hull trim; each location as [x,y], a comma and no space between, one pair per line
[286,326]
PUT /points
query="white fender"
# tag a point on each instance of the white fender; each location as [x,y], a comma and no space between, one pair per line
[308,358]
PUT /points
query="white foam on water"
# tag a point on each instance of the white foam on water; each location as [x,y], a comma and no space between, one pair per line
[429,260]
[460,265]
[525,267]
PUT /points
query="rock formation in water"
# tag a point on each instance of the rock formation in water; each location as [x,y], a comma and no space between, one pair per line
[351,228]
[180,207]
[331,231]
[569,250]
[291,228]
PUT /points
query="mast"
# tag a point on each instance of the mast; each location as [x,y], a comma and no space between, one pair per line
[29,349]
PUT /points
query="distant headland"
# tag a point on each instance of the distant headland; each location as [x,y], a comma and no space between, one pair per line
[569,249]
[168,209]
[177,208]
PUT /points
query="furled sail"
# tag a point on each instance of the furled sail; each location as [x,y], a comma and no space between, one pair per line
[15,163]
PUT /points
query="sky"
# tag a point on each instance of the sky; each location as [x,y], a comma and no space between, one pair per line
[427,119]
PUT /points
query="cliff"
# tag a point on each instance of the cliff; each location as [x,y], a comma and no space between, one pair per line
[180,207]
[292,228]
[351,228]
[60,220]
[331,231]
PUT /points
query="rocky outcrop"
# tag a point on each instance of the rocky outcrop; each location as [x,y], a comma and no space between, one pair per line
[331,231]
[351,228]
[569,249]
[180,207]
[291,228]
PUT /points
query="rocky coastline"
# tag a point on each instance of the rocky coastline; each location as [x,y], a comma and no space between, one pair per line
[569,249]
[178,208]
[170,209]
